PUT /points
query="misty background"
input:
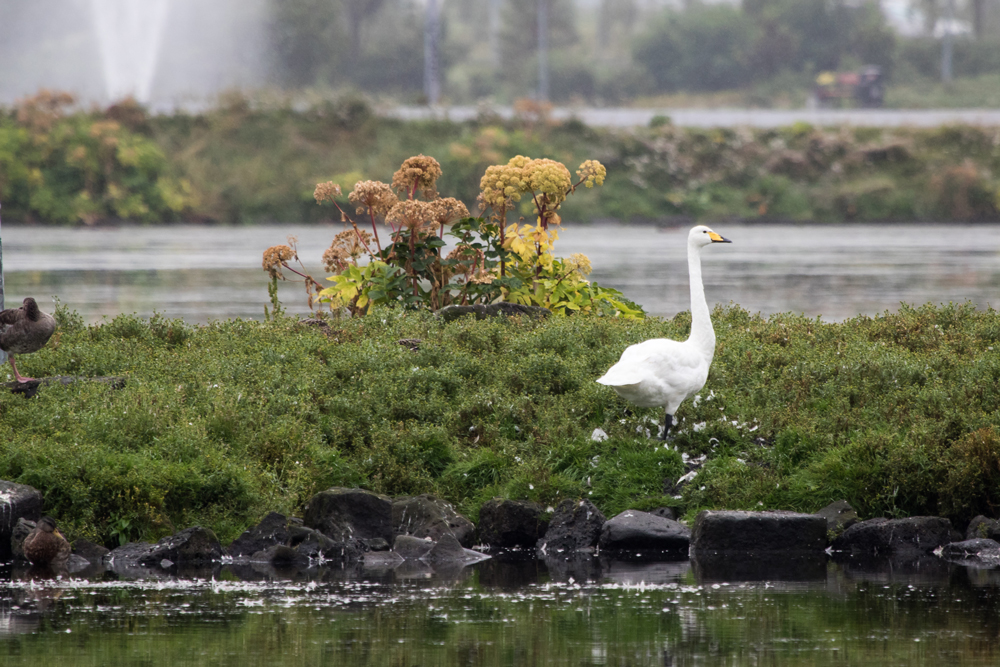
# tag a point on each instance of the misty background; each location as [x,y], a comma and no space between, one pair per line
[590,52]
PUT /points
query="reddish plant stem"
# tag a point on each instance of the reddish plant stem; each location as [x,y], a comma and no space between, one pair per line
[378,243]
[305,277]
[356,230]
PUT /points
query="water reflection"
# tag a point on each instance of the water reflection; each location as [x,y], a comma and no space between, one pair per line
[200,273]
[510,610]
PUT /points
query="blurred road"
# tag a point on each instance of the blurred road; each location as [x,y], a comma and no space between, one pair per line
[726,117]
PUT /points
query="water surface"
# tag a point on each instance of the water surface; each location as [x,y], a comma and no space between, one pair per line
[509,613]
[199,273]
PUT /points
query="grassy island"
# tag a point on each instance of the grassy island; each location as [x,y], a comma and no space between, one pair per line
[219,424]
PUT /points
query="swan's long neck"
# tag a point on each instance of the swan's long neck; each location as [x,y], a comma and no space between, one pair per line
[702,333]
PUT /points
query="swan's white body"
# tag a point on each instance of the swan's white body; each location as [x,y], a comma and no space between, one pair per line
[664,372]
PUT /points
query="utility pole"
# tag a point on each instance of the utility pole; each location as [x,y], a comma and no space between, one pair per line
[947,42]
[543,50]
[493,32]
[432,69]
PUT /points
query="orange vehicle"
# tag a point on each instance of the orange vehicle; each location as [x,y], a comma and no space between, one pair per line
[864,88]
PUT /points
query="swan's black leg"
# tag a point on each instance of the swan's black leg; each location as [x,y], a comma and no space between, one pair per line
[668,421]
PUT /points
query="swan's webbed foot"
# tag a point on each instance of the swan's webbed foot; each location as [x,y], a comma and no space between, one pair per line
[668,421]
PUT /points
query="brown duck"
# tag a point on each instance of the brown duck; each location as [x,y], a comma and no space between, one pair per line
[28,330]
[45,545]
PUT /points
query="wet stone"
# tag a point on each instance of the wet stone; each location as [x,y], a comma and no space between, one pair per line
[428,516]
[273,529]
[17,501]
[985,527]
[575,526]
[977,548]
[511,524]
[774,531]
[919,534]
[839,516]
[633,530]
[344,514]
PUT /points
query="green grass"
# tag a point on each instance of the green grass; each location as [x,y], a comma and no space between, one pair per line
[219,424]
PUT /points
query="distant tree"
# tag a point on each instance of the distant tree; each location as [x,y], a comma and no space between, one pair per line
[714,47]
[392,54]
[616,19]
[308,41]
[519,32]
[706,47]
[358,11]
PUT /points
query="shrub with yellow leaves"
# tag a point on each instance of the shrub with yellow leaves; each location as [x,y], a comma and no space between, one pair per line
[491,260]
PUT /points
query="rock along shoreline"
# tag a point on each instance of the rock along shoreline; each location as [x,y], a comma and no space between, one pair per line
[424,534]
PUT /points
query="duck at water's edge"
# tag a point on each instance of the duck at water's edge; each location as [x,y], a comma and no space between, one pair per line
[664,372]
[45,545]
[27,330]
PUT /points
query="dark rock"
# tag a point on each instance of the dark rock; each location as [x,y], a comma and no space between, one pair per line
[311,545]
[979,547]
[195,545]
[839,516]
[665,513]
[633,530]
[30,388]
[412,548]
[16,501]
[446,549]
[886,536]
[346,515]
[511,524]
[77,564]
[774,531]
[984,527]
[314,322]
[276,554]
[376,544]
[382,561]
[16,541]
[413,344]
[575,526]
[94,553]
[427,516]
[128,554]
[273,529]
[449,313]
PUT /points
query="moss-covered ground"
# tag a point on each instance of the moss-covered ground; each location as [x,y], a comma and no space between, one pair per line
[219,424]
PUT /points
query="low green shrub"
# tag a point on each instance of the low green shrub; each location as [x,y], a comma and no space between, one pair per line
[219,424]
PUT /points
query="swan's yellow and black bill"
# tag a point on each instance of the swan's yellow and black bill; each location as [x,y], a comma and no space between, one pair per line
[717,239]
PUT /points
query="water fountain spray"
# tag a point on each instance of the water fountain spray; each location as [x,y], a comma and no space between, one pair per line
[129,35]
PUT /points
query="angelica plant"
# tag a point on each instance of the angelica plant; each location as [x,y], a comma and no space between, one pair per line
[491,260]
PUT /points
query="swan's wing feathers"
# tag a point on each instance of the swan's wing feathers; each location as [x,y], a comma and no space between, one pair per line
[647,361]
[657,372]
[621,376]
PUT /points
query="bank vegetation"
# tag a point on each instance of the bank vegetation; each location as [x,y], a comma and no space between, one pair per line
[252,161]
[219,424]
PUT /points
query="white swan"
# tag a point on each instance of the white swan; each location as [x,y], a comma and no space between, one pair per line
[664,372]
